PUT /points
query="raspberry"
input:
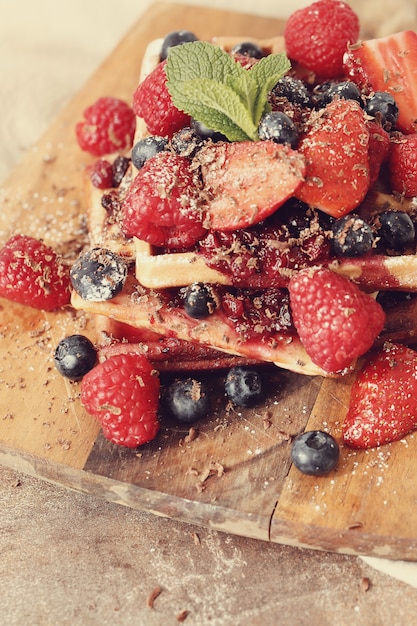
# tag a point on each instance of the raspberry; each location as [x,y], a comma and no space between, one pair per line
[402,164]
[31,274]
[109,126]
[317,36]
[335,321]
[246,61]
[101,174]
[152,102]
[122,393]
[162,206]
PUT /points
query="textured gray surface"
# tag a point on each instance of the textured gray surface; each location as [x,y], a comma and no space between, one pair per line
[67,558]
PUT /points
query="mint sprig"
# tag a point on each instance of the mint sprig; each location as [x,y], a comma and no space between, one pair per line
[205,82]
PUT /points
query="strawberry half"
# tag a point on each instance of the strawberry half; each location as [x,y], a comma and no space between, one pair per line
[335,147]
[383,402]
[247,181]
[388,64]
[379,148]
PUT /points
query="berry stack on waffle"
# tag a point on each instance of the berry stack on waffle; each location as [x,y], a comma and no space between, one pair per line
[235,223]
[255,205]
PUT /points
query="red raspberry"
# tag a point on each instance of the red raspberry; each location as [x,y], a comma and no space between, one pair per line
[31,274]
[122,393]
[402,164]
[152,102]
[101,174]
[109,126]
[247,62]
[317,36]
[162,205]
[335,320]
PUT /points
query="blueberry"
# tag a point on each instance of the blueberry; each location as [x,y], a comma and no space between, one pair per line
[383,107]
[248,49]
[98,274]
[278,127]
[315,453]
[200,301]
[147,148]
[206,133]
[176,38]
[346,90]
[119,169]
[75,356]
[391,298]
[396,230]
[293,89]
[187,400]
[351,236]
[186,142]
[243,386]
[324,93]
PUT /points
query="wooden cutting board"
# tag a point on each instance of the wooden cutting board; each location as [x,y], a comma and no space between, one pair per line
[235,475]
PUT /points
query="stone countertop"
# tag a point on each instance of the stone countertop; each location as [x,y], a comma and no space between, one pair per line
[68,558]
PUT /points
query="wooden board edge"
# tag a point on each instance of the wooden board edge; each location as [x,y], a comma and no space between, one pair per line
[349,541]
[265,528]
[211,516]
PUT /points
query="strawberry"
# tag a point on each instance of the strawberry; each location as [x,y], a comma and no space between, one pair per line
[402,164]
[388,64]
[122,393]
[335,320]
[163,206]
[32,274]
[335,147]
[379,148]
[317,36]
[383,402]
[152,102]
[246,181]
[108,126]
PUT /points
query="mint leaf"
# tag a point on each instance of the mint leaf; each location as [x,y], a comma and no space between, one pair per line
[217,106]
[205,82]
[266,73]
[199,59]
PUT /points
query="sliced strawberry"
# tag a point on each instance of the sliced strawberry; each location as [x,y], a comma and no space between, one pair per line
[402,164]
[383,403]
[335,147]
[379,148]
[388,64]
[246,181]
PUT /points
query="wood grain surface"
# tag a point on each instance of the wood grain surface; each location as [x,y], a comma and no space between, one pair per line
[234,473]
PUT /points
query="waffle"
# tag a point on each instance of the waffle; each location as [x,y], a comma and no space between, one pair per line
[211,343]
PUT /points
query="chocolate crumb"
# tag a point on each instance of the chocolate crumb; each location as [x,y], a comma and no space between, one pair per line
[181,617]
[152,596]
[192,435]
[365,584]
[355,525]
